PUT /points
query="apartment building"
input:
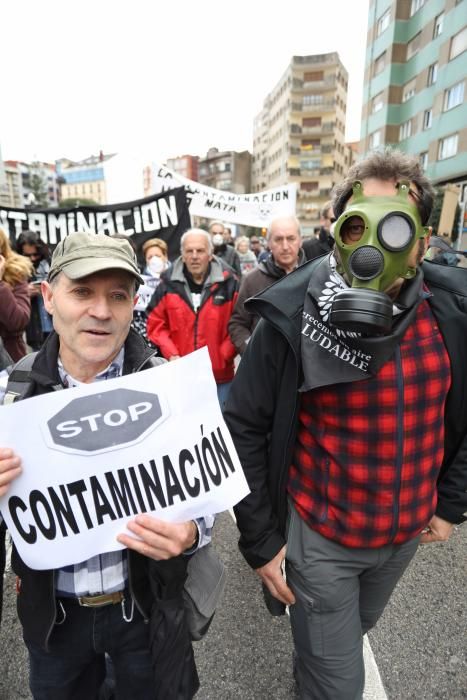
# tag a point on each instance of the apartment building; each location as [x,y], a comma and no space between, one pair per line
[29,184]
[415,84]
[186,166]
[226,170]
[299,134]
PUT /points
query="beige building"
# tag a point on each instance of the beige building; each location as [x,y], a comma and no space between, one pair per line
[84,179]
[299,134]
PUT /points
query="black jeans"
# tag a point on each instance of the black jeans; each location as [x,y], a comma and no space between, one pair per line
[74,668]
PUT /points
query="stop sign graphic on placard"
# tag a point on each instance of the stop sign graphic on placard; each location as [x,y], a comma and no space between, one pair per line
[105,421]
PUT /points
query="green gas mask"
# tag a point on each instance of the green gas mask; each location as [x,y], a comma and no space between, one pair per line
[375,237]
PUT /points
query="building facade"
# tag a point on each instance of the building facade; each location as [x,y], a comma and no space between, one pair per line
[84,179]
[186,166]
[226,170]
[29,185]
[299,135]
[415,84]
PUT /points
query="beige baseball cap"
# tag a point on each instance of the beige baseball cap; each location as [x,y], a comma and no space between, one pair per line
[82,254]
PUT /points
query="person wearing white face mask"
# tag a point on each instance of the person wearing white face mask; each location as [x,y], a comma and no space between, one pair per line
[156,260]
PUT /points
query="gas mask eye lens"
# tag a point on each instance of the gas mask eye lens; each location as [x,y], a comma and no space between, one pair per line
[352,230]
[395,232]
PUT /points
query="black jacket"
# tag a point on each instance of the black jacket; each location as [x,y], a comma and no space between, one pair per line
[262,409]
[36,600]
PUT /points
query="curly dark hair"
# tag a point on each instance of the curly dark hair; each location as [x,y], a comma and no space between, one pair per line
[389,164]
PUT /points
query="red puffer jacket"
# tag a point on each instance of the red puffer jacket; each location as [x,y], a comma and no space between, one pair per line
[177,329]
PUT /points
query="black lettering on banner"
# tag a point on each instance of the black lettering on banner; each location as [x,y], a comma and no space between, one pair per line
[36,500]
[152,485]
[222,452]
[184,457]
[171,481]
[216,475]
[63,510]
[121,493]
[14,504]
[101,502]
[201,469]
[137,488]
[76,488]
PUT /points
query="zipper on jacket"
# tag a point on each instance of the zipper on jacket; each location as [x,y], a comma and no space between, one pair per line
[400,441]
[132,594]
[54,602]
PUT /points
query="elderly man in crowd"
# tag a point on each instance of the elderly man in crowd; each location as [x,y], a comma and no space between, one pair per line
[284,241]
[192,306]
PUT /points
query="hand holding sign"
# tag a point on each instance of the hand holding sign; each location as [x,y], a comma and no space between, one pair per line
[159,539]
[10,468]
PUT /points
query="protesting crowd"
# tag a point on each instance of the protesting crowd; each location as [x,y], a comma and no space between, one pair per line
[339,363]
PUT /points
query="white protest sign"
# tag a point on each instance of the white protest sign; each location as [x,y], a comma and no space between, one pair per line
[96,455]
[254,209]
[145,292]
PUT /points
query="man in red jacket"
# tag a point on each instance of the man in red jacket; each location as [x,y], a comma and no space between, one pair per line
[192,306]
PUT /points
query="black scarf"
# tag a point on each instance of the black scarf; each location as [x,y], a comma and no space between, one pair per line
[333,356]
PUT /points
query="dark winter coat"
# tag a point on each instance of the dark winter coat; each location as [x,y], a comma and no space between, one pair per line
[243,322]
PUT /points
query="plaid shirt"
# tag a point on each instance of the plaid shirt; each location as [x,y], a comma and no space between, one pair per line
[108,572]
[368,453]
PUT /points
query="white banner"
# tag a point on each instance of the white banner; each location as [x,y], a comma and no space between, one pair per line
[95,456]
[255,209]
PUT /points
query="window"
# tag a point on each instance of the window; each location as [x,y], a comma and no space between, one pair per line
[375,139]
[415,6]
[424,159]
[408,90]
[313,99]
[432,74]
[377,103]
[405,130]
[447,147]
[379,64]
[427,118]
[413,45]
[458,43]
[454,96]
[438,27]
[383,22]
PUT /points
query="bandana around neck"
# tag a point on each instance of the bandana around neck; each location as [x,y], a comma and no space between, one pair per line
[334,356]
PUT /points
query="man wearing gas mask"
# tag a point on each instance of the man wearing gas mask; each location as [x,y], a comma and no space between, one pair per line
[349,415]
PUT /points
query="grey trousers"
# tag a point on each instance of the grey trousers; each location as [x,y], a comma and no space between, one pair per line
[340,594]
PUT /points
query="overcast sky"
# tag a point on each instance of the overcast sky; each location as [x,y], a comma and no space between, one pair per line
[159,79]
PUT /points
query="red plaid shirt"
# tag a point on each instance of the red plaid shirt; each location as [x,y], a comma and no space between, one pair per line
[368,453]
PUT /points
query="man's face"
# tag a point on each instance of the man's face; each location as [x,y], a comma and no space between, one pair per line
[196,255]
[327,219]
[255,245]
[92,316]
[284,243]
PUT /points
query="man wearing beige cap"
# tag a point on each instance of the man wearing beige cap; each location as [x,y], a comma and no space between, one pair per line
[73,617]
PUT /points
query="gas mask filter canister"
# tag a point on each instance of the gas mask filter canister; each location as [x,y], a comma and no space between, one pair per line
[380,234]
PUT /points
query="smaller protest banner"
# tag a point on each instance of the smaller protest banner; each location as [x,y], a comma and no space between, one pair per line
[254,209]
[99,454]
